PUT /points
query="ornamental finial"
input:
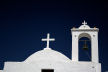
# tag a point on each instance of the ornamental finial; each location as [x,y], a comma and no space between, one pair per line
[84,23]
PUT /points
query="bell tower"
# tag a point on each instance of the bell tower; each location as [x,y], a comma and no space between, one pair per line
[85,31]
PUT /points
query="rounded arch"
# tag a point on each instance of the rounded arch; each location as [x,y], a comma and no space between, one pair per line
[84,46]
[84,35]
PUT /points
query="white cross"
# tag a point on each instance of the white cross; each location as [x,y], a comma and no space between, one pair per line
[48,39]
[84,23]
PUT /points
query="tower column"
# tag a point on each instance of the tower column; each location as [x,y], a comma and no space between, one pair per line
[94,44]
[74,47]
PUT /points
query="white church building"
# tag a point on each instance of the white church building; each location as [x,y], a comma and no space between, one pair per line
[49,60]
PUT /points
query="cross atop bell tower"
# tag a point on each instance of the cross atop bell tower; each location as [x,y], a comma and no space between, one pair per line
[84,23]
[48,39]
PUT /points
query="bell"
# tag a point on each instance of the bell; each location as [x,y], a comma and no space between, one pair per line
[85,47]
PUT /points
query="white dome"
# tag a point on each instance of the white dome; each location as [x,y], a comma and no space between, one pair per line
[47,54]
[84,27]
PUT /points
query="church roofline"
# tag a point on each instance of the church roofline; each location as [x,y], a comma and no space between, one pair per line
[92,29]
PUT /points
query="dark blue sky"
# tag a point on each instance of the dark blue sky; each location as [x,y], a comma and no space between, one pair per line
[24,23]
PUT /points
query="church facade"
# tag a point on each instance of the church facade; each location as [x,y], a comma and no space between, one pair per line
[49,60]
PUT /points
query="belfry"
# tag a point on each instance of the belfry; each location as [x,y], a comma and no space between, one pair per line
[49,60]
[85,31]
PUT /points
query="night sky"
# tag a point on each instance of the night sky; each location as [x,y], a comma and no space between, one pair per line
[24,23]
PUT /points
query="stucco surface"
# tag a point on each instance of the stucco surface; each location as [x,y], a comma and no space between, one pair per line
[51,60]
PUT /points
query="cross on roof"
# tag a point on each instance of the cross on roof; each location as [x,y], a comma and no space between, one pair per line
[84,23]
[48,39]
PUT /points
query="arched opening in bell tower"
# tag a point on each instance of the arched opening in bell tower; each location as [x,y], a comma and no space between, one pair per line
[84,47]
